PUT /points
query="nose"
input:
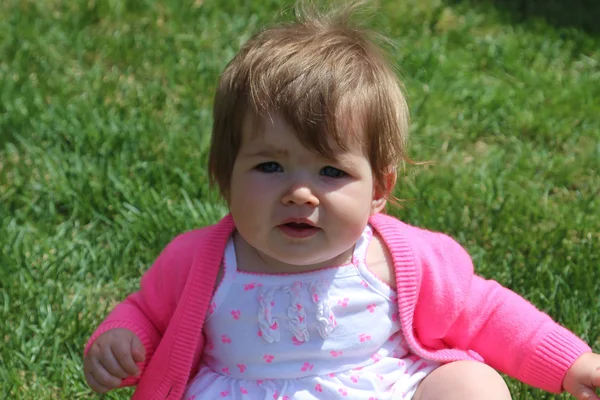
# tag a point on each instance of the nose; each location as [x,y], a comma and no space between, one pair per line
[300,194]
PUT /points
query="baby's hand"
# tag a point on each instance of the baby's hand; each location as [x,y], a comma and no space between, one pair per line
[583,378]
[111,358]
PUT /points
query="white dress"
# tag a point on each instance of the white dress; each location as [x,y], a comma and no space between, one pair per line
[332,333]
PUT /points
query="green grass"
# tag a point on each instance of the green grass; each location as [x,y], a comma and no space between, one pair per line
[105,112]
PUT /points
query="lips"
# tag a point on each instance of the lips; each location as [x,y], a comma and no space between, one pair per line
[298,228]
[298,222]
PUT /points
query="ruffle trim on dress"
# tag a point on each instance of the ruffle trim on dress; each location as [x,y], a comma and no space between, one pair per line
[296,312]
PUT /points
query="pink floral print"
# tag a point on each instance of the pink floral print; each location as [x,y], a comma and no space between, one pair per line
[263,330]
[307,367]
[268,358]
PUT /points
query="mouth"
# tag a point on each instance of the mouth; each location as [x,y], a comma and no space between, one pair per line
[298,228]
[299,222]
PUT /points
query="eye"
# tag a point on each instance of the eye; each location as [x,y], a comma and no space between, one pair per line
[332,172]
[269,167]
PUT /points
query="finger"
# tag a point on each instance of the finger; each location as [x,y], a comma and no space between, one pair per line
[122,354]
[585,393]
[596,378]
[137,349]
[93,383]
[109,361]
[103,377]
[90,363]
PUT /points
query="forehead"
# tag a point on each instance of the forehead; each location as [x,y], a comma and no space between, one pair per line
[275,132]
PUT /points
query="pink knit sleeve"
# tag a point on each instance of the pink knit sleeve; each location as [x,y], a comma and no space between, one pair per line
[147,312]
[511,334]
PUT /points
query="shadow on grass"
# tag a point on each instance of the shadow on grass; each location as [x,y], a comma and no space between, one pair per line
[7,132]
[579,14]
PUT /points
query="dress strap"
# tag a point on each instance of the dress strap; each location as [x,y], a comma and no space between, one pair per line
[229,259]
[362,244]
[229,273]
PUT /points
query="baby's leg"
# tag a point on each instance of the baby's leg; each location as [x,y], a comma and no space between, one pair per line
[463,380]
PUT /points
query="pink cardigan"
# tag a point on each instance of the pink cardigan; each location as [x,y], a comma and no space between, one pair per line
[446,312]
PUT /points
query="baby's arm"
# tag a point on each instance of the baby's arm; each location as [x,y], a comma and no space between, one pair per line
[130,319]
[469,312]
[515,337]
[145,314]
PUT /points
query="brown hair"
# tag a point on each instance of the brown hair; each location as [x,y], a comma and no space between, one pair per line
[317,73]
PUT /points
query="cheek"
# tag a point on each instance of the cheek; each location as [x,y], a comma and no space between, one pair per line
[355,195]
[250,200]
[252,189]
[353,206]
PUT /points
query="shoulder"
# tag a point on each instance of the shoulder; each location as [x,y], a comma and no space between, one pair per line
[207,239]
[203,246]
[380,262]
[433,271]
[187,258]
[419,241]
[426,253]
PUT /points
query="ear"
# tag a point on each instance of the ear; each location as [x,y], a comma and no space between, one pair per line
[380,197]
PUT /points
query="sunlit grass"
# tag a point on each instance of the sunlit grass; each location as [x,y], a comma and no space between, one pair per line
[105,112]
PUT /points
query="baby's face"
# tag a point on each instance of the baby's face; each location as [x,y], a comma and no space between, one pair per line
[295,207]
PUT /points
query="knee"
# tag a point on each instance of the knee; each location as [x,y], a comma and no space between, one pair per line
[463,380]
[479,377]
